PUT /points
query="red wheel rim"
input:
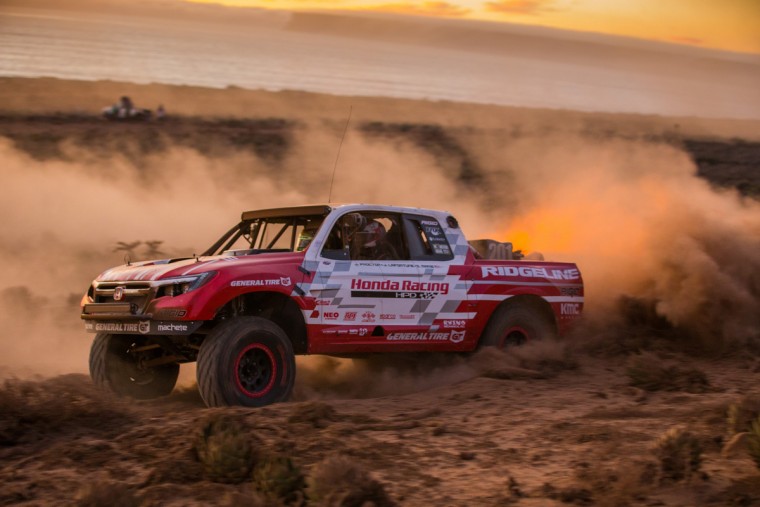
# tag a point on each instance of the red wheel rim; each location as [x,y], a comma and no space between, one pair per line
[255,370]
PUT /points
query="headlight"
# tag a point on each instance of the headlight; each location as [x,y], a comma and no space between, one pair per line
[177,286]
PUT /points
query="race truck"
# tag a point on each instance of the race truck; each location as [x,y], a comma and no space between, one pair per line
[343,280]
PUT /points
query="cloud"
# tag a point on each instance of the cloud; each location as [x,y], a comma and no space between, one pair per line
[521,7]
[442,9]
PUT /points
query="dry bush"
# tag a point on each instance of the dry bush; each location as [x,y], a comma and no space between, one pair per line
[680,455]
[648,372]
[338,482]
[741,414]
[278,479]
[224,446]
[30,410]
[617,486]
[106,493]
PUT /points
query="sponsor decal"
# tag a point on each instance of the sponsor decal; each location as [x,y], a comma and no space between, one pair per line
[454,323]
[330,315]
[172,327]
[457,336]
[570,308]
[441,249]
[284,281]
[404,295]
[361,331]
[142,327]
[323,302]
[429,222]
[349,316]
[428,336]
[530,272]
[404,285]
[407,316]
[368,317]
[570,291]
[116,327]
[387,316]
[118,293]
[397,289]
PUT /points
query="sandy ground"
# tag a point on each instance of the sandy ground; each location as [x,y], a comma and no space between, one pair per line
[581,436]
[551,424]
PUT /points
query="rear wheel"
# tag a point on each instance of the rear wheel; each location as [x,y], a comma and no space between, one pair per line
[516,325]
[118,364]
[247,361]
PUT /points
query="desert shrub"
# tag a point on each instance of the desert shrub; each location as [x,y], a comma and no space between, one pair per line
[225,449]
[98,494]
[680,455]
[742,413]
[648,372]
[338,482]
[753,442]
[277,478]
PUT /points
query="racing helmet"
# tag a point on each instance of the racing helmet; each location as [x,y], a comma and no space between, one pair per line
[373,232]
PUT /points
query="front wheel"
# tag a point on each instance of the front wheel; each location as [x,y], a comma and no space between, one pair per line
[517,325]
[247,361]
[118,364]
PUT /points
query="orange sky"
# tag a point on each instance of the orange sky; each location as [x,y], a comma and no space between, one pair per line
[724,24]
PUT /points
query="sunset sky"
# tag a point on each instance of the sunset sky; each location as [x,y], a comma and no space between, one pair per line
[724,24]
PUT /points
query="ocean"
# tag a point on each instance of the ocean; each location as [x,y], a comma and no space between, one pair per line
[91,47]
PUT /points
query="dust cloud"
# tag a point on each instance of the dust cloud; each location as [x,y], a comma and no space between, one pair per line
[630,212]
[639,222]
[71,215]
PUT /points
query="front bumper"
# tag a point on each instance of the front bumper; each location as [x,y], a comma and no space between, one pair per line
[140,325]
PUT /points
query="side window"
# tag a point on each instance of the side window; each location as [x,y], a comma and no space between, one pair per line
[366,236]
[427,239]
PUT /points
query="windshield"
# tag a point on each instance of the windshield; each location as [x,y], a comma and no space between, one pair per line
[267,234]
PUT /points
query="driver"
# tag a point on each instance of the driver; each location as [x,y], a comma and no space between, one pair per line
[372,244]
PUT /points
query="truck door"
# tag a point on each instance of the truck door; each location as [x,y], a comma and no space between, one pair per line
[437,297]
[351,286]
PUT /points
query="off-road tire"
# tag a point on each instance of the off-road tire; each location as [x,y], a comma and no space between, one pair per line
[247,361]
[114,368]
[515,325]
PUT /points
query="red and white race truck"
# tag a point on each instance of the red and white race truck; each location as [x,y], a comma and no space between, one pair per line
[346,280]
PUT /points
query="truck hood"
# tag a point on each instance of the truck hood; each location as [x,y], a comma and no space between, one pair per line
[169,268]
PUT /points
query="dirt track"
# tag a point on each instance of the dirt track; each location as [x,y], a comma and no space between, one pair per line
[577,434]
[542,426]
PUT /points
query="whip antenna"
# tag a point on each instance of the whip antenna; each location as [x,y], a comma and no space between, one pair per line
[345,129]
